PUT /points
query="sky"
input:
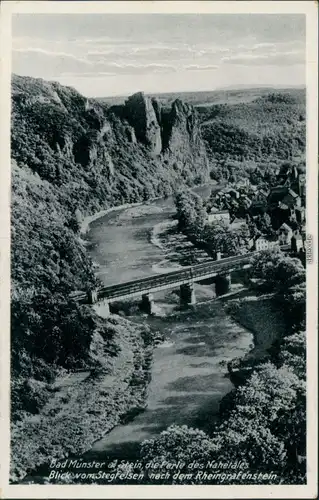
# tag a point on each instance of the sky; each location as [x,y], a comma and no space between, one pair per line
[118,54]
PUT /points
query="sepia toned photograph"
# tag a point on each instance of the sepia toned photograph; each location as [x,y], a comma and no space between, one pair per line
[160,246]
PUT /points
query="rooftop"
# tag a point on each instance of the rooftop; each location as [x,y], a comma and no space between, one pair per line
[285,227]
[218,212]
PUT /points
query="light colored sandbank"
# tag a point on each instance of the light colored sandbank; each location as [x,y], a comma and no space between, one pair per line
[158,230]
[85,224]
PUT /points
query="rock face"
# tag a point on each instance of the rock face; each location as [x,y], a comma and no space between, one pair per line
[181,125]
[175,132]
[182,140]
[143,118]
[121,153]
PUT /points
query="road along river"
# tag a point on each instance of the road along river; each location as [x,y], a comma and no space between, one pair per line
[189,375]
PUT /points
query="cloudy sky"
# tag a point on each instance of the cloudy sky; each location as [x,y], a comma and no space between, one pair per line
[118,54]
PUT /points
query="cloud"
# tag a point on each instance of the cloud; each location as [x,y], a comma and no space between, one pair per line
[90,74]
[274,58]
[40,63]
[124,68]
[50,53]
[196,67]
[264,45]
[52,63]
[159,51]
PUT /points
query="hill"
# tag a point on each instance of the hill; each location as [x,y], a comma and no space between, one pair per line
[246,130]
[229,95]
[256,136]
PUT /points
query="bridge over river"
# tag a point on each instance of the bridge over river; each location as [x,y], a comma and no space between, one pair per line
[184,278]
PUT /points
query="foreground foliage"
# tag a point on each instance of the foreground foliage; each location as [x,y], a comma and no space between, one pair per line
[263,421]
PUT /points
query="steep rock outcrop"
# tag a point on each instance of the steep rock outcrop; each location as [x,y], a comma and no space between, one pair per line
[182,125]
[182,140]
[158,110]
[142,116]
[101,155]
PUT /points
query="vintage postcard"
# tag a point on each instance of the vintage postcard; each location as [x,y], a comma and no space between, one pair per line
[159,249]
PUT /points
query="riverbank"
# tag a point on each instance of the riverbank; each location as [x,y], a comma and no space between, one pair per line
[87,220]
[261,316]
[85,405]
[85,224]
[178,249]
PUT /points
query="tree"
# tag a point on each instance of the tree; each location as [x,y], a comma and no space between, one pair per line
[178,444]
[221,238]
[278,271]
[191,213]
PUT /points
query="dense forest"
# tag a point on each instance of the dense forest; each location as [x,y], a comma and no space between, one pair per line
[73,156]
[248,137]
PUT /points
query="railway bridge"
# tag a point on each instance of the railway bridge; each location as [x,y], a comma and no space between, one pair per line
[184,278]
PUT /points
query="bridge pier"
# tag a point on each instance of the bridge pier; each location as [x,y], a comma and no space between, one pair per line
[187,294]
[222,284]
[148,303]
[106,308]
[92,296]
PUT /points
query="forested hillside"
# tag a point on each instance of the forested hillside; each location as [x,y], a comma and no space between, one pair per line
[73,157]
[241,138]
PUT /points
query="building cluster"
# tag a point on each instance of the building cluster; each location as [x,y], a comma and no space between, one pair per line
[284,204]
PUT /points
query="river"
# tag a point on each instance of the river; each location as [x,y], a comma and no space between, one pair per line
[189,375]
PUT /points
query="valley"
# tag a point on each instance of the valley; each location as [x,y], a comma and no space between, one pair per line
[74,157]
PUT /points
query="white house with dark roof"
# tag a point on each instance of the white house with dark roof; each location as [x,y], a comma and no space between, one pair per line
[218,216]
[263,242]
[237,223]
[285,234]
[297,243]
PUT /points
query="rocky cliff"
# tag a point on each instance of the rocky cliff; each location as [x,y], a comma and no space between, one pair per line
[141,114]
[116,154]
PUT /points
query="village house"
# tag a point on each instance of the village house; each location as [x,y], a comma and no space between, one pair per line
[288,173]
[297,243]
[285,234]
[301,187]
[291,199]
[263,192]
[263,242]
[276,195]
[237,223]
[246,202]
[233,193]
[218,216]
[242,184]
[293,178]
[299,214]
[283,197]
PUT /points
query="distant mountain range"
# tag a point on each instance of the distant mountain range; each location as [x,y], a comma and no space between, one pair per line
[232,94]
